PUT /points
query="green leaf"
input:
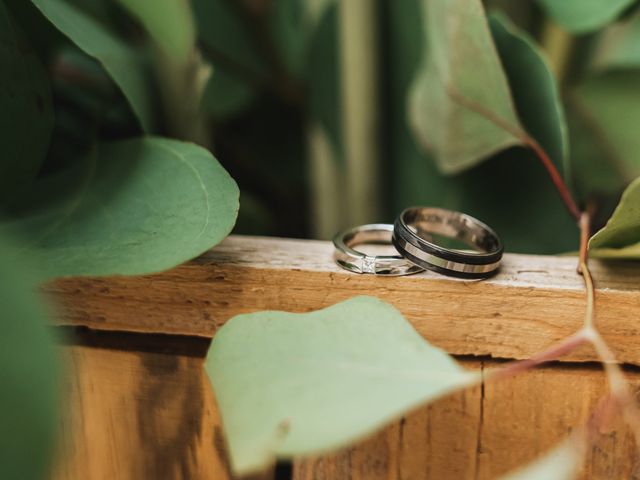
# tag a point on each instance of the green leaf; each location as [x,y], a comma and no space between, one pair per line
[168,22]
[225,37]
[225,95]
[500,192]
[301,384]
[604,111]
[135,206]
[26,113]
[621,235]
[122,62]
[323,76]
[289,25]
[460,105]
[28,370]
[619,46]
[582,16]
[533,87]
[561,463]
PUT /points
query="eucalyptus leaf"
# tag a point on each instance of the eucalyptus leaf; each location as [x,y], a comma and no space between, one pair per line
[561,463]
[26,113]
[225,95]
[460,104]
[323,76]
[133,207]
[169,23]
[28,372]
[533,87]
[619,46]
[288,29]
[301,384]
[123,63]
[226,40]
[605,111]
[621,235]
[582,16]
[500,192]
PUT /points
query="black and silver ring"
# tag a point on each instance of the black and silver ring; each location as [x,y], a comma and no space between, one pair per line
[412,237]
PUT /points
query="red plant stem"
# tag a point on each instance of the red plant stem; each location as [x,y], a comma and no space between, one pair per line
[552,353]
[556,178]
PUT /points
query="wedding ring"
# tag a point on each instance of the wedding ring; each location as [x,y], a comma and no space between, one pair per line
[358,262]
[412,237]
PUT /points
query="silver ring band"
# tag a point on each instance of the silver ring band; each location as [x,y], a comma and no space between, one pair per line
[358,262]
[412,238]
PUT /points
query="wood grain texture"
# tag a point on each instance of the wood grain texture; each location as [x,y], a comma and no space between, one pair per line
[132,414]
[135,415]
[533,301]
[487,431]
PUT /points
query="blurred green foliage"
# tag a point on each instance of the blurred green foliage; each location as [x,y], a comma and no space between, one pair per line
[99,100]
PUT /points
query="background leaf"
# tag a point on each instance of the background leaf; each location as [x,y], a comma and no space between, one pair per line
[26,113]
[226,38]
[452,111]
[521,204]
[619,46]
[136,206]
[620,238]
[225,95]
[605,109]
[169,23]
[28,372]
[533,87]
[299,384]
[581,16]
[123,63]
[323,76]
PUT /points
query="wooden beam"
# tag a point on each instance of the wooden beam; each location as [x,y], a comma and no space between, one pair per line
[484,432]
[533,302]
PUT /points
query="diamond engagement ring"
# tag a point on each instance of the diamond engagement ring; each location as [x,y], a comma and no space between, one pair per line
[359,262]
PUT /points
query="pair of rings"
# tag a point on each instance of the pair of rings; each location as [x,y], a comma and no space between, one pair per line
[413,237]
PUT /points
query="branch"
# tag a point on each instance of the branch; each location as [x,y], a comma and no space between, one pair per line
[554,352]
[556,178]
[619,388]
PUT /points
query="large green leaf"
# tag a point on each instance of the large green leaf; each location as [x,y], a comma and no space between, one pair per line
[620,238]
[28,373]
[121,61]
[136,206]
[169,23]
[500,191]
[300,384]
[561,463]
[533,87]
[26,114]
[581,16]
[460,104]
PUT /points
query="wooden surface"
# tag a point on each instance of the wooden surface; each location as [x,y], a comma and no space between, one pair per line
[137,415]
[485,432]
[144,409]
[134,414]
[533,302]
